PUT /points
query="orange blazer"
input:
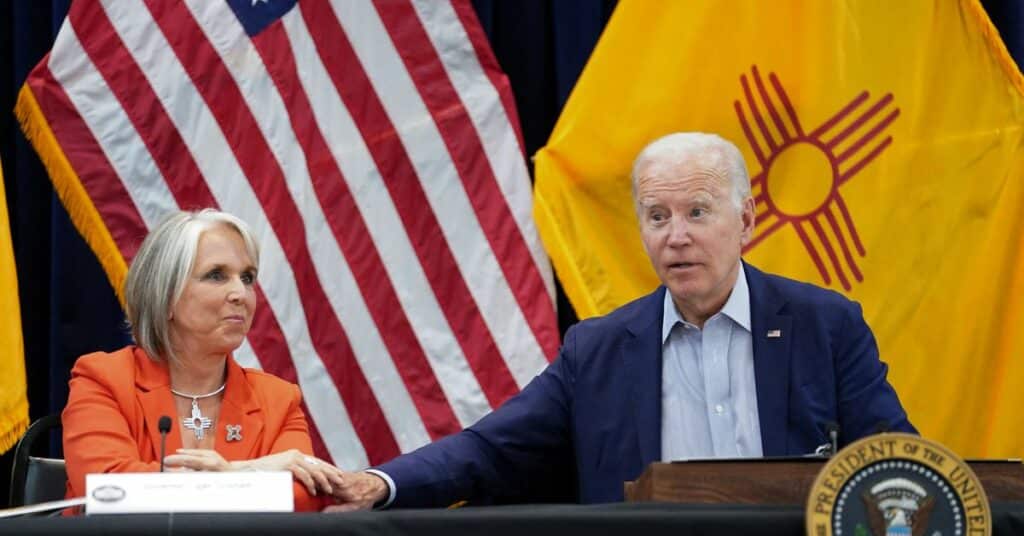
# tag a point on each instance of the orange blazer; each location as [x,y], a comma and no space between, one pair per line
[116,400]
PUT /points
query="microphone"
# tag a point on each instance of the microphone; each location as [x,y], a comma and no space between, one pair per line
[164,425]
[827,450]
[832,429]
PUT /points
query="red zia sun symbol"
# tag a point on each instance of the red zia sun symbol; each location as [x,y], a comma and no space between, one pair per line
[826,157]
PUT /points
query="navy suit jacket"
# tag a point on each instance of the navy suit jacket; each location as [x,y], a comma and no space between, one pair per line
[592,419]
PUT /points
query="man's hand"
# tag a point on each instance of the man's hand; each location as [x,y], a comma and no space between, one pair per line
[358,491]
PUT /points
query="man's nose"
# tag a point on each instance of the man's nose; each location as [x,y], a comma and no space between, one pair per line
[679,232]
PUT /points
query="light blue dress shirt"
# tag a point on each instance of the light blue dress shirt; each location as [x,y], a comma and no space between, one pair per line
[708,392]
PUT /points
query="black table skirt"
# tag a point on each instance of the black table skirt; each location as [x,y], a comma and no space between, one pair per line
[530,520]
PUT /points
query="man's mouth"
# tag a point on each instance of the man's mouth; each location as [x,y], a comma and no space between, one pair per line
[682,265]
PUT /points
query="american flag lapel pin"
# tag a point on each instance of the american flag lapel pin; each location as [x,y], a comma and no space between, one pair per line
[774,333]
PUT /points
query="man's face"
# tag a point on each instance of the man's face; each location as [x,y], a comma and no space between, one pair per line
[692,232]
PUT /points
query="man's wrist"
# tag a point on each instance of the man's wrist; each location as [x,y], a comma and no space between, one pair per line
[388,496]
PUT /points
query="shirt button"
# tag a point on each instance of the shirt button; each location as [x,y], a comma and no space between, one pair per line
[719,409]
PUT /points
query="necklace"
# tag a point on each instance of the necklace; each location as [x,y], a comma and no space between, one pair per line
[198,422]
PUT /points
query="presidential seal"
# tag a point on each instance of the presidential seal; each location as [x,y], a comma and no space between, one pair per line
[897,485]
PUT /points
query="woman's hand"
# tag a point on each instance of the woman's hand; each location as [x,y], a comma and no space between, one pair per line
[197,460]
[312,472]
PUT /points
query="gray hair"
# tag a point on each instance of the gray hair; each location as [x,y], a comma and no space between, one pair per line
[161,268]
[709,151]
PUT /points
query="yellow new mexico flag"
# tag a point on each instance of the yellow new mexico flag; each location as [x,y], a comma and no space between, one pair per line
[884,143]
[13,396]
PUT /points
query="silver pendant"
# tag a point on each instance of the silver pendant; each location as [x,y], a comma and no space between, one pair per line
[197,422]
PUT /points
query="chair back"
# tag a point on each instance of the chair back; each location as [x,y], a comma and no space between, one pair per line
[35,479]
[45,480]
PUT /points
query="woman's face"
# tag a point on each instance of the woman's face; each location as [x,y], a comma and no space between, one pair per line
[216,306]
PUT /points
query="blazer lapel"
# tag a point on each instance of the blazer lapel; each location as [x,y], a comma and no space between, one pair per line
[239,407]
[154,394]
[771,331]
[642,355]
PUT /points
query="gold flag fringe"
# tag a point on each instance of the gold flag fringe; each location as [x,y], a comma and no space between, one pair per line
[69,189]
[996,44]
[13,423]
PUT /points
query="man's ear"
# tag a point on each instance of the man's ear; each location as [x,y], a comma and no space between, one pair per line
[748,219]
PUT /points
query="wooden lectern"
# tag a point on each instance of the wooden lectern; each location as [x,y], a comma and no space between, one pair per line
[779,481]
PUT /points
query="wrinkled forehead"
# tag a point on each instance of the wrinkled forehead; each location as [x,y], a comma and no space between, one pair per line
[713,162]
[686,177]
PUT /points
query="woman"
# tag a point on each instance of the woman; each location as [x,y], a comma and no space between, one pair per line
[189,298]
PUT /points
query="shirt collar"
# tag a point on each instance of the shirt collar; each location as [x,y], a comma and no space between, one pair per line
[737,307]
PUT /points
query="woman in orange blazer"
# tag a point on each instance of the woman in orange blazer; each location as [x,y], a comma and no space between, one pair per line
[189,298]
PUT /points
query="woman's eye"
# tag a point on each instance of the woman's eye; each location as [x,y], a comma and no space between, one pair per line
[248,278]
[214,275]
[698,212]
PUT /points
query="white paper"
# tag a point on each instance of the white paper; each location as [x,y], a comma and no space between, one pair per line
[242,491]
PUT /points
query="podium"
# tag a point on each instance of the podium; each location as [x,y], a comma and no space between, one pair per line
[779,481]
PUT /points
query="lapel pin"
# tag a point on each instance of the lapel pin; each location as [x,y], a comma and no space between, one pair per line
[774,333]
[234,432]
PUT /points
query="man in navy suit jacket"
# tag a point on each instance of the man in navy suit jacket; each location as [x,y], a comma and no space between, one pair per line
[789,358]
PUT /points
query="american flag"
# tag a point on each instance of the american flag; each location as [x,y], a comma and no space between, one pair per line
[374,148]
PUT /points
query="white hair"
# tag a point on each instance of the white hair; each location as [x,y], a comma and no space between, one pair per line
[161,268]
[708,151]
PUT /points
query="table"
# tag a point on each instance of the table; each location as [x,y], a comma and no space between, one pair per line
[648,519]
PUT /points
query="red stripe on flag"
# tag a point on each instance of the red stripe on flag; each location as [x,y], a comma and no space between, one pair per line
[170,153]
[479,182]
[400,179]
[268,343]
[354,239]
[489,63]
[228,105]
[90,163]
[130,87]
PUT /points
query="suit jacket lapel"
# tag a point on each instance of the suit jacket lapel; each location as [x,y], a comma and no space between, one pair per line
[239,407]
[771,331]
[642,356]
[154,388]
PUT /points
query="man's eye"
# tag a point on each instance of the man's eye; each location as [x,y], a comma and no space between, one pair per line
[698,212]
[657,217]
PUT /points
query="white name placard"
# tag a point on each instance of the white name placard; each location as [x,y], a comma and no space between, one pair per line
[135,493]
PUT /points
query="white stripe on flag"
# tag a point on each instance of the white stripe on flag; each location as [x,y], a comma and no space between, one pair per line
[111,127]
[243,61]
[246,357]
[214,157]
[440,179]
[347,146]
[483,103]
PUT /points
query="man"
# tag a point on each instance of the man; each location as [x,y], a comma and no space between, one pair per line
[723,360]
